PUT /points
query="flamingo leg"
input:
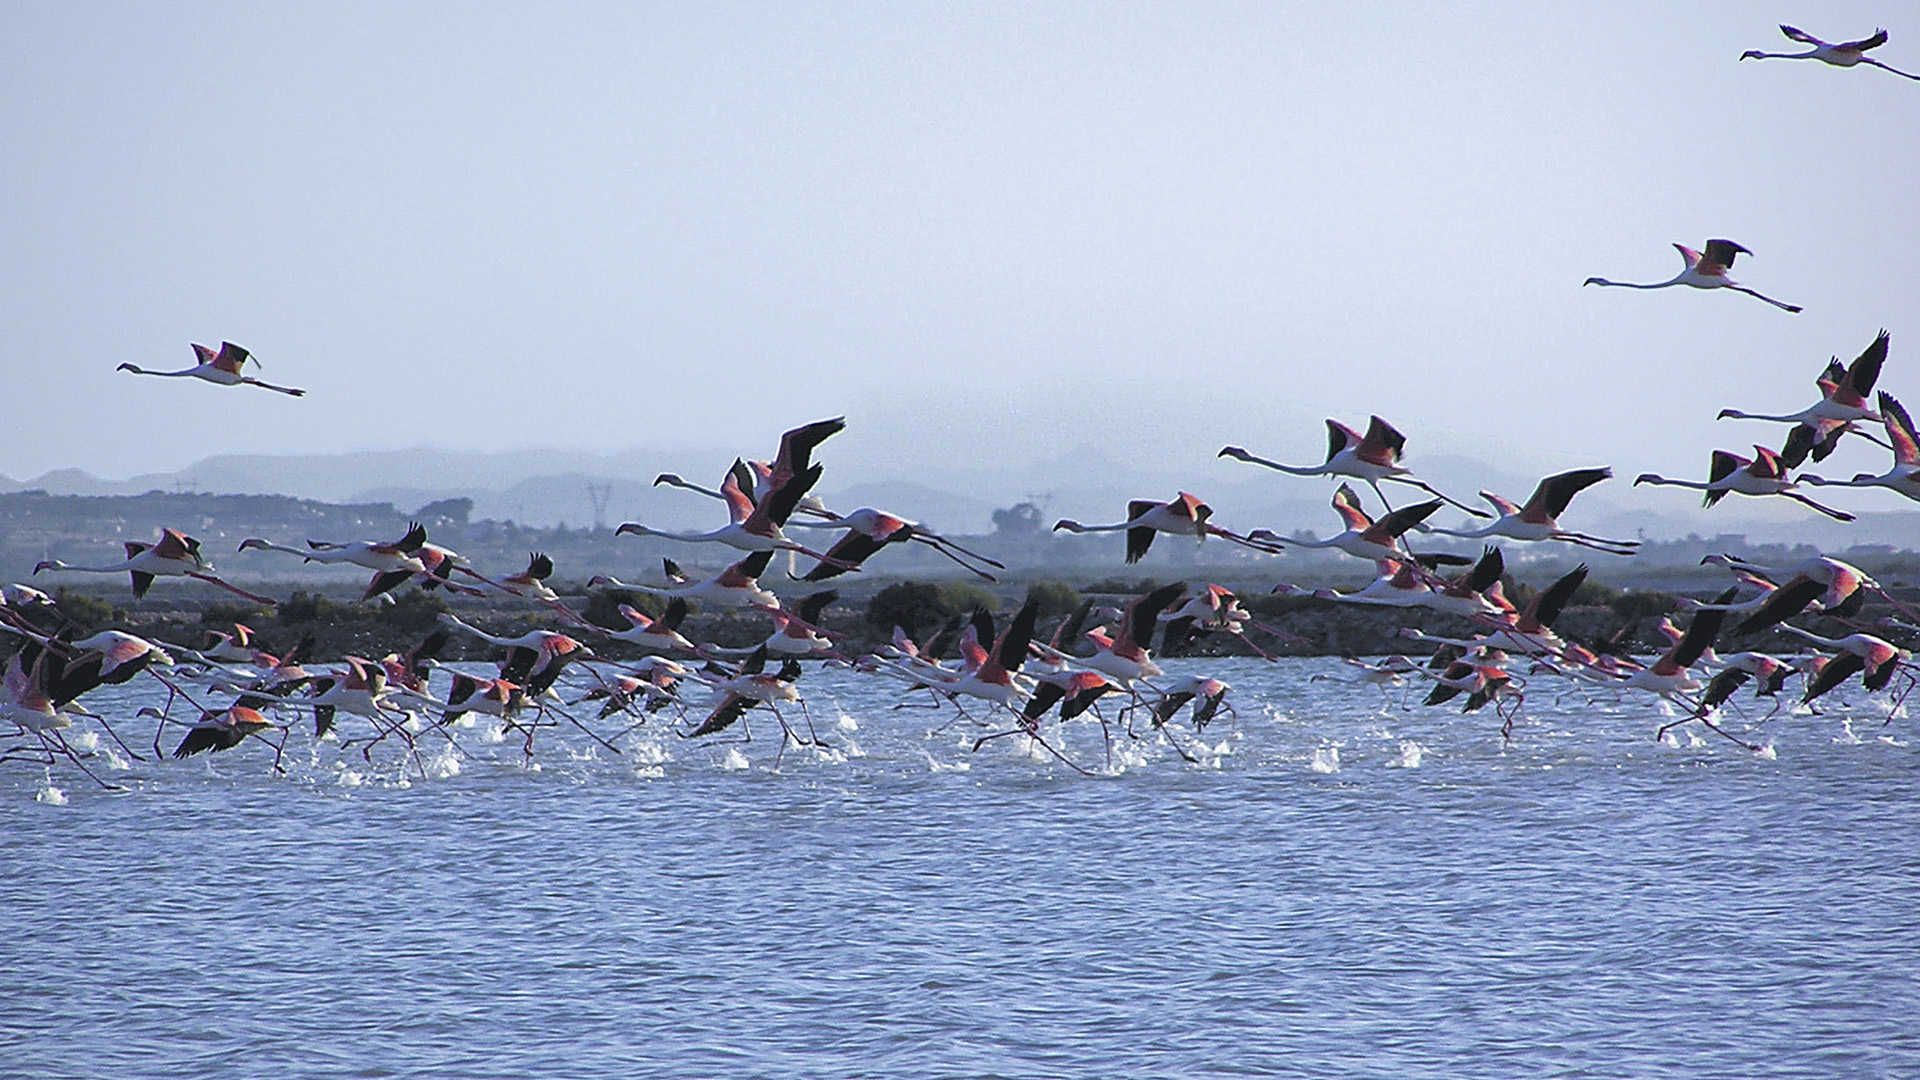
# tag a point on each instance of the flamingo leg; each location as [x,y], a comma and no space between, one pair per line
[267,601]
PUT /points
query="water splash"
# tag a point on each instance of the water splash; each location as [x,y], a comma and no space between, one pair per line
[49,794]
[734,761]
[1410,756]
[1326,759]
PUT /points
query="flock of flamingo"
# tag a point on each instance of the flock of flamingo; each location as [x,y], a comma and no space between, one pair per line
[228,689]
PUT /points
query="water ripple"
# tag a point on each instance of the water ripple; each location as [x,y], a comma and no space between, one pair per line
[1433,902]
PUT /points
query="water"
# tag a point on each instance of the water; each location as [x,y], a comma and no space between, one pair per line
[1339,888]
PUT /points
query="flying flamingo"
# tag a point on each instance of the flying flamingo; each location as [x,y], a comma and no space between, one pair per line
[869,530]
[380,557]
[1399,583]
[1843,402]
[1528,632]
[1904,476]
[222,368]
[1363,538]
[1761,475]
[736,586]
[1372,457]
[1539,518]
[1836,586]
[1707,271]
[1183,515]
[1843,54]
[1877,657]
[751,526]
[796,633]
[175,554]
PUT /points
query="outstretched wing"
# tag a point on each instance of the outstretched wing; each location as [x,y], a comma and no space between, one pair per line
[1878,39]
[1555,492]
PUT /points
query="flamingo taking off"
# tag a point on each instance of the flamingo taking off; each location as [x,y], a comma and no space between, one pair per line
[1708,271]
[1844,54]
[221,368]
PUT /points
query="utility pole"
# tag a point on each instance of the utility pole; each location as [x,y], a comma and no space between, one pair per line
[599,494]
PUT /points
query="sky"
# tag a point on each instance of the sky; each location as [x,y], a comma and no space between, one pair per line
[985,233]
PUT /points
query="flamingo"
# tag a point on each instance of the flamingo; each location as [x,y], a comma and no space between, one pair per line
[1400,583]
[1390,673]
[1469,594]
[1736,670]
[751,686]
[380,557]
[438,564]
[1372,457]
[1817,429]
[175,554]
[1183,515]
[751,526]
[500,698]
[1539,518]
[1843,54]
[1761,475]
[869,530]
[1670,676]
[1483,677]
[1528,632]
[655,682]
[1211,609]
[655,635]
[1875,657]
[1210,695]
[736,586]
[223,729]
[1904,476]
[1708,271]
[534,659]
[222,368]
[24,699]
[796,633]
[1127,657]
[1363,538]
[1838,587]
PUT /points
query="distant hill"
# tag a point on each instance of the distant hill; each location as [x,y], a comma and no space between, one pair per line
[549,487]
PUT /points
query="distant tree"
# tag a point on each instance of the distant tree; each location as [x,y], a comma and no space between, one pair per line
[1054,597]
[416,610]
[1020,519]
[449,511]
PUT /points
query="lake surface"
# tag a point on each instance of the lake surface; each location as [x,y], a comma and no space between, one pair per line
[1339,888]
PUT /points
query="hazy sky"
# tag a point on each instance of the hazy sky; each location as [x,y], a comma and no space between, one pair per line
[987,232]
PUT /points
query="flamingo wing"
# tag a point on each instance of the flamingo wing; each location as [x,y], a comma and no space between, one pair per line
[1900,431]
[1878,39]
[1555,492]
